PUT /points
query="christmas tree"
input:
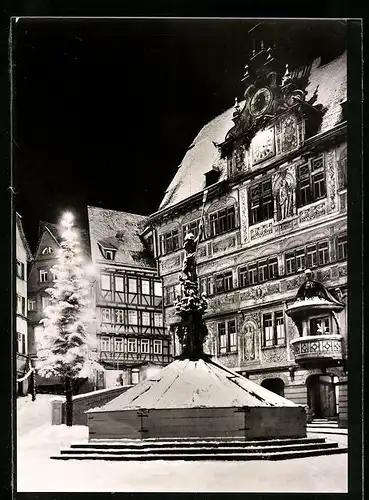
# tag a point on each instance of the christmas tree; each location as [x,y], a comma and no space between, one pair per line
[65,346]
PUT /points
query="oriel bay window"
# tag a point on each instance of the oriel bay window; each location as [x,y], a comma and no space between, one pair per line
[273,329]
[222,221]
[261,205]
[311,185]
[258,272]
[227,337]
[169,241]
[223,282]
[319,326]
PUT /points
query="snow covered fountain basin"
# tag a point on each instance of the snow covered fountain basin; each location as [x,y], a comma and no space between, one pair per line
[188,399]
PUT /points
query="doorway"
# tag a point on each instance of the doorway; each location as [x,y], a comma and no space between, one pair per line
[275,385]
[321,396]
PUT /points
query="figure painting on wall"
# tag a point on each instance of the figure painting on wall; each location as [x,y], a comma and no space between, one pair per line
[249,341]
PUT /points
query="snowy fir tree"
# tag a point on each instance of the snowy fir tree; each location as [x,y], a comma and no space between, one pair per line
[65,345]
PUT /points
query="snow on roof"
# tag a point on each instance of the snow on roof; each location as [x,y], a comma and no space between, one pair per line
[57,230]
[195,384]
[330,80]
[121,230]
[23,236]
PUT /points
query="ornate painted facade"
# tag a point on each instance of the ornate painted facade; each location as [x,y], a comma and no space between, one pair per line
[276,208]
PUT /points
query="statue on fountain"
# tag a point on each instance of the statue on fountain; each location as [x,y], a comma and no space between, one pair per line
[191,330]
[312,288]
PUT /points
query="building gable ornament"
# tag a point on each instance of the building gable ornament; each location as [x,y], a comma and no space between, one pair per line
[313,212]
[272,90]
[331,181]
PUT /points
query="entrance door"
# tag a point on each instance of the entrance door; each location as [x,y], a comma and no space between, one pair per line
[321,396]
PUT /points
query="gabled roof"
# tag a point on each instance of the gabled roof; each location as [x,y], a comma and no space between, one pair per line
[18,219]
[56,230]
[122,231]
[328,80]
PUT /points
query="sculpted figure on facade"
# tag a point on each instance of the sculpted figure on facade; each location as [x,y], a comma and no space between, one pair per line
[249,341]
[283,190]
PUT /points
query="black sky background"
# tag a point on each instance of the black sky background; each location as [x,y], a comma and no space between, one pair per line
[104,110]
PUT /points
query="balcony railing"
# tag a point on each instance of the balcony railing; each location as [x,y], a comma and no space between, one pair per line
[317,347]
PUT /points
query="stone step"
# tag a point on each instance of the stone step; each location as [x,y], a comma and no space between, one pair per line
[122,444]
[203,449]
[203,456]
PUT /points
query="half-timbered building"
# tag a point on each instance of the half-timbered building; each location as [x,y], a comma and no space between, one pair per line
[131,340]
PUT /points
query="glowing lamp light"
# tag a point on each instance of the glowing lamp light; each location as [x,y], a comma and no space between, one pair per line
[67,219]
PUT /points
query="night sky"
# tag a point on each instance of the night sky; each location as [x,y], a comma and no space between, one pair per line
[104,110]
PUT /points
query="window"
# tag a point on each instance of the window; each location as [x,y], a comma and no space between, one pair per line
[300,259]
[47,250]
[311,256]
[261,202]
[169,295]
[258,272]
[158,319]
[207,285]
[21,343]
[158,346]
[119,284]
[145,318]
[290,263]
[263,271]
[105,344]
[158,292]
[223,282]
[105,282]
[32,304]
[119,316]
[227,337]
[341,247]
[323,253]
[132,285]
[20,270]
[45,302]
[222,221]
[311,185]
[145,287]
[19,304]
[109,254]
[135,376]
[105,315]
[319,326]
[273,329]
[191,227]
[132,345]
[145,346]
[43,275]
[118,345]
[132,317]
[170,241]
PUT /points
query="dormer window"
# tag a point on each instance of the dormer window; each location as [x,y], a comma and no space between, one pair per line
[107,249]
[212,177]
[47,250]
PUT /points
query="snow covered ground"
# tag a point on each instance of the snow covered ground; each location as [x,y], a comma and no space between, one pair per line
[37,440]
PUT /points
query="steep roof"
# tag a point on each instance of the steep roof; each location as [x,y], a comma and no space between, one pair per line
[194,384]
[330,80]
[18,219]
[57,230]
[120,230]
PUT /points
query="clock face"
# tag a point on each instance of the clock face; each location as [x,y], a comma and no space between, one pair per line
[260,101]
